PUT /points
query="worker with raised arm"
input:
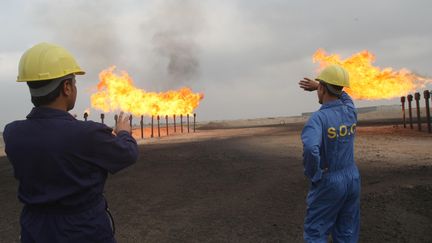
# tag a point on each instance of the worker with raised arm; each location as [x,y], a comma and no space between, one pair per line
[61,164]
[333,201]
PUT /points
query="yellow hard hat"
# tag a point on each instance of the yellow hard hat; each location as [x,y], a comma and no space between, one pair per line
[46,61]
[336,75]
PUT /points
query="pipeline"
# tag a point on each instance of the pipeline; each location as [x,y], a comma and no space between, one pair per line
[175,128]
[152,134]
[188,122]
[410,98]
[166,124]
[427,95]
[417,99]
[181,123]
[403,111]
[194,126]
[142,126]
[158,121]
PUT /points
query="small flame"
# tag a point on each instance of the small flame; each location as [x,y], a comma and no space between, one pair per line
[371,82]
[117,92]
[87,111]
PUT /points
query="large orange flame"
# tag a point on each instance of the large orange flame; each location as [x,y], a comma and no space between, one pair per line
[371,82]
[117,92]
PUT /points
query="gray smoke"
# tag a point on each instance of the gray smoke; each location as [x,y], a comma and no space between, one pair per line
[86,28]
[161,46]
[176,27]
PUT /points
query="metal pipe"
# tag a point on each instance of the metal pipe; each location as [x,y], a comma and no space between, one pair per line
[194,121]
[142,126]
[181,123]
[417,99]
[158,119]
[175,127]
[166,123]
[426,95]
[102,117]
[403,111]
[85,116]
[115,119]
[410,98]
[130,123]
[152,127]
[188,122]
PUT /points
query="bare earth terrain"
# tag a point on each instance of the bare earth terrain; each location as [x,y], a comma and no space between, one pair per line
[247,185]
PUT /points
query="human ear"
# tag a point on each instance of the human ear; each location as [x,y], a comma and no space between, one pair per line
[67,87]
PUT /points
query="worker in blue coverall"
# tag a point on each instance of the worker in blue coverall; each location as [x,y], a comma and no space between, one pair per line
[333,201]
[61,163]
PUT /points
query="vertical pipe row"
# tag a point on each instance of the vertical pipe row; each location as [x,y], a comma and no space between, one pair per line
[116,117]
[417,97]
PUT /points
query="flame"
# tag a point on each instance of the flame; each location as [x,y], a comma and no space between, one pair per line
[87,111]
[117,92]
[371,82]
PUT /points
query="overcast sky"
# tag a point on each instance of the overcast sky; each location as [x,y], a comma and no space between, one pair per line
[246,56]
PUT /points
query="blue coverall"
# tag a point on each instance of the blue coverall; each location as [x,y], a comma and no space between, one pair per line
[61,165]
[333,201]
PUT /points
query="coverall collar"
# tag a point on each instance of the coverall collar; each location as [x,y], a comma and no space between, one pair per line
[45,112]
[330,104]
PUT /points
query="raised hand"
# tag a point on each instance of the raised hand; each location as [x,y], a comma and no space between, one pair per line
[308,84]
[123,124]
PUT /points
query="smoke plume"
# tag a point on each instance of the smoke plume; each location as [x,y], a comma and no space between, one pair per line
[176,27]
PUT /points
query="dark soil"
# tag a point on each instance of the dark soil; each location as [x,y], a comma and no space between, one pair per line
[241,189]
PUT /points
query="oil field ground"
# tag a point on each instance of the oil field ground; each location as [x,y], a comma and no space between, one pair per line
[247,185]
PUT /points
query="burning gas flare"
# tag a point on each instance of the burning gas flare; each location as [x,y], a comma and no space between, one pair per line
[117,92]
[371,82]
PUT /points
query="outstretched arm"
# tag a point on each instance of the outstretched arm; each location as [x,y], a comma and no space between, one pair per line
[346,99]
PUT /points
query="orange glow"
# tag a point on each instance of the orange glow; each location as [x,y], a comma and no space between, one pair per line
[117,92]
[369,82]
[87,111]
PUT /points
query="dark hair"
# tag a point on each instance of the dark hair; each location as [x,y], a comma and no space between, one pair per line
[332,89]
[49,98]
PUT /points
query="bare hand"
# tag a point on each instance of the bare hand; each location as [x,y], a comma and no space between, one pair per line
[308,84]
[123,124]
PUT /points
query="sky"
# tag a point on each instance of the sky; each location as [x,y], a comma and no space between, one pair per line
[246,56]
